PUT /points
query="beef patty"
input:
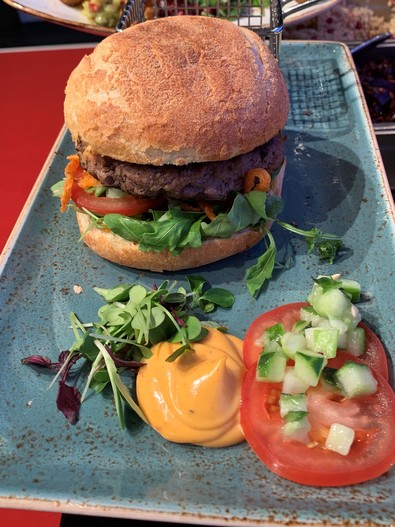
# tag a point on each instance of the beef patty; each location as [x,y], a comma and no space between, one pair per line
[211,181]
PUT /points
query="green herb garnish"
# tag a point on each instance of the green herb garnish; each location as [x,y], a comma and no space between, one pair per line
[131,322]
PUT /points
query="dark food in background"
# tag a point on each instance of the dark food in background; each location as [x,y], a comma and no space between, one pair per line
[378,83]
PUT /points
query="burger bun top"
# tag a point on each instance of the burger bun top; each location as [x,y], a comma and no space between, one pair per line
[177,90]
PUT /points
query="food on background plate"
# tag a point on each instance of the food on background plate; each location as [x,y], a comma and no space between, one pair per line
[72,3]
[180,159]
[347,21]
[378,83]
[196,398]
[317,407]
[104,13]
[108,12]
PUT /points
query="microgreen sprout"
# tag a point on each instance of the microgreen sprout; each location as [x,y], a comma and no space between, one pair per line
[132,320]
[326,244]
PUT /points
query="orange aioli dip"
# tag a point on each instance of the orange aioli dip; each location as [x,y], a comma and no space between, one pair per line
[196,398]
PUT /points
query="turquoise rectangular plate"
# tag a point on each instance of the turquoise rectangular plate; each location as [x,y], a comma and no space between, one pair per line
[335,180]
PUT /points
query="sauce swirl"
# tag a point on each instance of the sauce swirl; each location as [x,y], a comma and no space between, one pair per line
[196,398]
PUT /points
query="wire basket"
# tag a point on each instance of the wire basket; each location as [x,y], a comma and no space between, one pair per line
[265,17]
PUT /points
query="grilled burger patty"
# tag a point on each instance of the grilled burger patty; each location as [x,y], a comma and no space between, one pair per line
[211,181]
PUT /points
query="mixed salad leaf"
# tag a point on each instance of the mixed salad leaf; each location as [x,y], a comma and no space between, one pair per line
[132,320]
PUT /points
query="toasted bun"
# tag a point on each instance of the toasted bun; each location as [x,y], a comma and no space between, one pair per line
[177,90]
[118,250]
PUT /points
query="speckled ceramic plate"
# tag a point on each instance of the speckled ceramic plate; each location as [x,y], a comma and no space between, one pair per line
[335,181]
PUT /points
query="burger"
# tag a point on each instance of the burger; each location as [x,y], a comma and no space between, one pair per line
[177,127]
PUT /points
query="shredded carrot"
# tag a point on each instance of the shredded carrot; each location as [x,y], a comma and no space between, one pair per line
[69,172]
[207,209]
[84,179]
[257,179]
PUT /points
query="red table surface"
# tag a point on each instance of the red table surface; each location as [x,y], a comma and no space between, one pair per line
[31,105]
[31,108]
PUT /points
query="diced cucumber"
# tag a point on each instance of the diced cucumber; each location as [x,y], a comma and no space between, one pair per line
[292,342]
[338,324]
[342,341]
[355,379]
[297,427]
[273,345]
[292,403]
[316,291]
[352,317]
[331,304]
[295,415]
[328,379]
[300,325]
[322,340]
[273,333]
[112,192]
[308,366]
[356,341]
[340,438]
[292,383]
[308,314]
[351,288]
[320,322]
[271,366]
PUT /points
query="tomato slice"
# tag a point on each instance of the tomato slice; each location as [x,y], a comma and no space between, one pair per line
[127,205]
[373,417]
[375,356]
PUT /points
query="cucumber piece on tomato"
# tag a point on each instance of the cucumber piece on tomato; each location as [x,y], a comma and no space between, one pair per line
[331,304]
[322,340]
[292,403]
[356,341]
[328,379]
[300,325]
[292,383]
[352,288]
[355,380]
[292,342]
[308,315]
[296,426]
[308,366]
[340,438]
[273,345]
[271,366]
[273,333]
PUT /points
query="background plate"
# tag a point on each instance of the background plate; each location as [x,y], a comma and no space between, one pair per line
[56,11]
[335,181]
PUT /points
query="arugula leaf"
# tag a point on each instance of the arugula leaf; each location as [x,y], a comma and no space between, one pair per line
[166,234]
[260,272]
[241,215]
[130,229]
